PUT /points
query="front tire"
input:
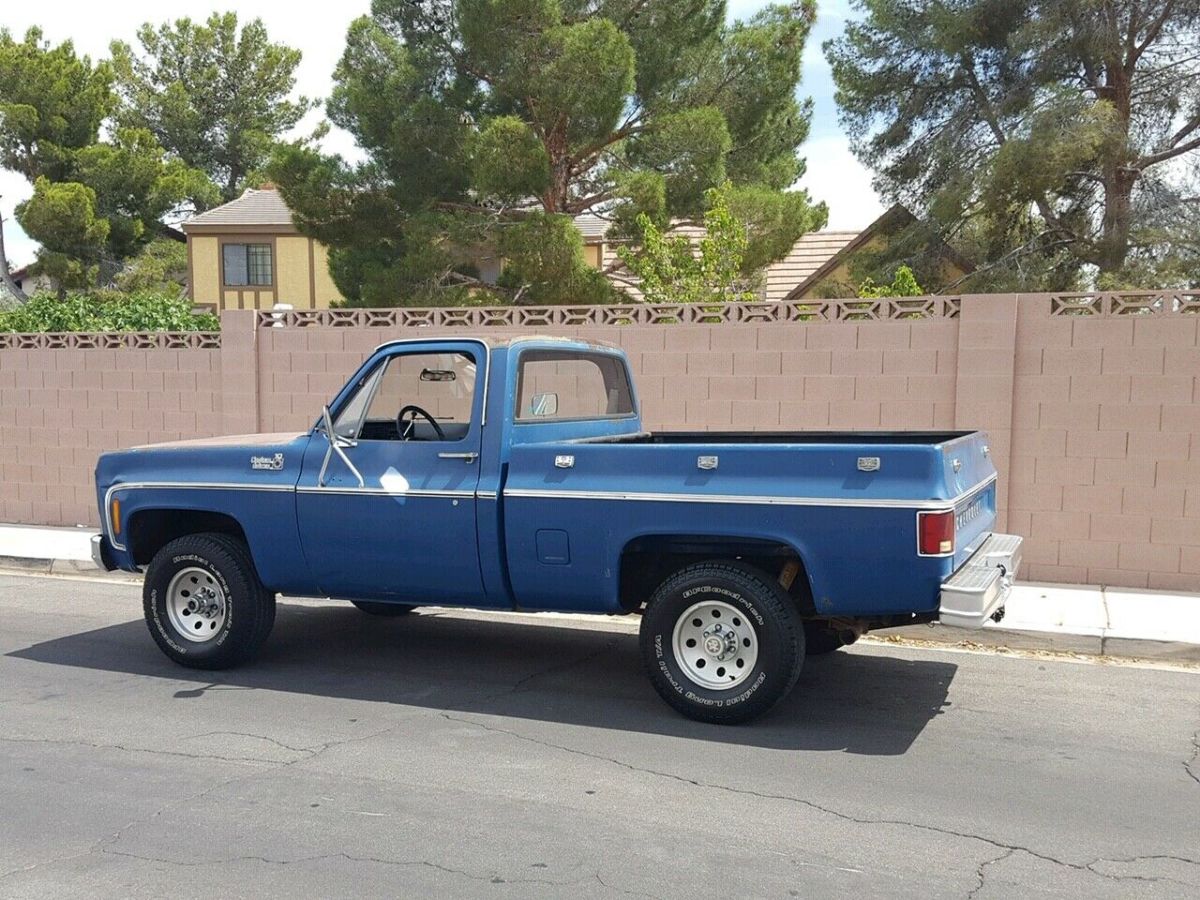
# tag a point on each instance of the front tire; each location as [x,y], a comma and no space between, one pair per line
[722,642]
[204,604]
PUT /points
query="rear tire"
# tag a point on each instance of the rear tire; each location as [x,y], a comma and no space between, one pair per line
[722,642]
[204,604]
[820,638]
[386,610]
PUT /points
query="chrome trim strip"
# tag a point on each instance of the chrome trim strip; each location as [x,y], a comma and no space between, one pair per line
[176,485]
[749,498]
[384,492]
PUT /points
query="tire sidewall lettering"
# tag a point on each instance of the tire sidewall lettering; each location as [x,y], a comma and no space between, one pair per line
[158,603]
[679,681]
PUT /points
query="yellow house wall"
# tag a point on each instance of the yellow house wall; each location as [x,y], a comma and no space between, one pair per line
[592,254]
[841,276]
[206,270]
[327,291]
[292,275]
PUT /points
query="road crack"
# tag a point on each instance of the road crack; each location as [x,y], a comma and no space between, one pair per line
[800,801]
[1191,761]
[979,872]
[124,748]
[489,878]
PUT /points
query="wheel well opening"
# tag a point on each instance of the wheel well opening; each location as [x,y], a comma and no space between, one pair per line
[647,562]
[150,530]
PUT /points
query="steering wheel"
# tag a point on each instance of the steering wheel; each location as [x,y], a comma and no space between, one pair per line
[404,426]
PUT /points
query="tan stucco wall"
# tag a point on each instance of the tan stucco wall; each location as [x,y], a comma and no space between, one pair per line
[592,254]
[206,269]
[291,271]
[301,273]
[327,291]
[840,283]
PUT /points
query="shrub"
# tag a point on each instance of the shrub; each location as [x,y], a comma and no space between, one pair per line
[106,311]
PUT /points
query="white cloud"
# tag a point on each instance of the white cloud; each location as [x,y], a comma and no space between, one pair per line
[837,177]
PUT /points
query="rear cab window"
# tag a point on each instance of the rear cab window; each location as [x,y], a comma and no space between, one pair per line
[572,385]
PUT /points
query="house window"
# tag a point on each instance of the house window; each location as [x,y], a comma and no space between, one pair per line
[247,264]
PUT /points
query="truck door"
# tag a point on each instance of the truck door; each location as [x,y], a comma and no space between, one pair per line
[389,514]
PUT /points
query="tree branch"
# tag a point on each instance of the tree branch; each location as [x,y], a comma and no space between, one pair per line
[1152,34]
[1170,152]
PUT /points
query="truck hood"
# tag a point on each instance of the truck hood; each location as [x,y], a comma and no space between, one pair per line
[235,440]
[250,459]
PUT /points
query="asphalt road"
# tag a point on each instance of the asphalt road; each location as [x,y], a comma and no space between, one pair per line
[454,756]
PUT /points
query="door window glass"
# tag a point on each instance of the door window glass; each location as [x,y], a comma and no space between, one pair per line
[441,385]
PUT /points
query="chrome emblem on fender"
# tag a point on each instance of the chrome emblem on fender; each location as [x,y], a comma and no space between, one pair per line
[267,463]
[868,464]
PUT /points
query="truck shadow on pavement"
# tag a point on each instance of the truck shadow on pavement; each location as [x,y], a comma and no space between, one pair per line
[861,700]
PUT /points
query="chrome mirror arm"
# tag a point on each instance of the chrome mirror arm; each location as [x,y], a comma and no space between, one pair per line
[336,444]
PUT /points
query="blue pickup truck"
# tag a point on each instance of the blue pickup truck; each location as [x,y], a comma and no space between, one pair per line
[516,475]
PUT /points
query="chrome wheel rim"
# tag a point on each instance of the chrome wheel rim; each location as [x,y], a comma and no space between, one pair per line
[715,645]
[196,605]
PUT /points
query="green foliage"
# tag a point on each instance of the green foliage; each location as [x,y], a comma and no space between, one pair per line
[161,268]
[215,98]
[62,217]
[545,263]
[1050,140]
[106,311]
[904,284]
[52,103]
[95,203]
[487,124]
[676,269]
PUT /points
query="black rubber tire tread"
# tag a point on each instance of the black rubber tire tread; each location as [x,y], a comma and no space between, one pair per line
[252,606]
[386,610]
[781,636]
[820,639]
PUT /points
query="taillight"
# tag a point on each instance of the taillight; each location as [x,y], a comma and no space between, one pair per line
[935,533]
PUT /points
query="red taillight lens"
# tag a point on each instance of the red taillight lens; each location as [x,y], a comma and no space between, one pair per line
[935,533]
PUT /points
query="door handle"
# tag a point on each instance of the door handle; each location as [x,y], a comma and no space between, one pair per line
[468,458]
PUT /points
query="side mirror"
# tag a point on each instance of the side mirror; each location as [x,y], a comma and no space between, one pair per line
[544,405]
[336,443]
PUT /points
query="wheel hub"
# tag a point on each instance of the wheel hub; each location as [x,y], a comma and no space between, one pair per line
[715,645]
[196,605]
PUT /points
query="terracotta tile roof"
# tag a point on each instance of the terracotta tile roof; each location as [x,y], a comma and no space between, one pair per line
[807,255]
[592,228]
[254,207]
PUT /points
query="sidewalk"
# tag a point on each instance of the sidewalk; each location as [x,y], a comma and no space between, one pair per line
[1085,619]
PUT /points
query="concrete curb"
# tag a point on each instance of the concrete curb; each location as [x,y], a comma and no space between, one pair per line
[1047,642]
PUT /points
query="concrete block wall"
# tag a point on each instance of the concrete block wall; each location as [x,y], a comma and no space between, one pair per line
[1094,420]
[61,408]
[1105,476]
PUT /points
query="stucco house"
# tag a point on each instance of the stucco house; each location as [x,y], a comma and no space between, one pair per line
[30,284]
[248,254]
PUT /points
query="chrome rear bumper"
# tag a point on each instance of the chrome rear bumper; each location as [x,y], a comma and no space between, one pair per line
[980,587]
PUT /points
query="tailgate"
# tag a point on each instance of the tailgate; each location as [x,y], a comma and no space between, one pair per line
[971,479]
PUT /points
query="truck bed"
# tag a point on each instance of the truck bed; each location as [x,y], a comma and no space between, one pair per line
[840,438]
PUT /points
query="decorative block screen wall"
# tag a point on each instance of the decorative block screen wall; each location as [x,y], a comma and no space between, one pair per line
[1091,400]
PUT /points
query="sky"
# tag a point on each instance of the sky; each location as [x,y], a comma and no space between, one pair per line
[319,30]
